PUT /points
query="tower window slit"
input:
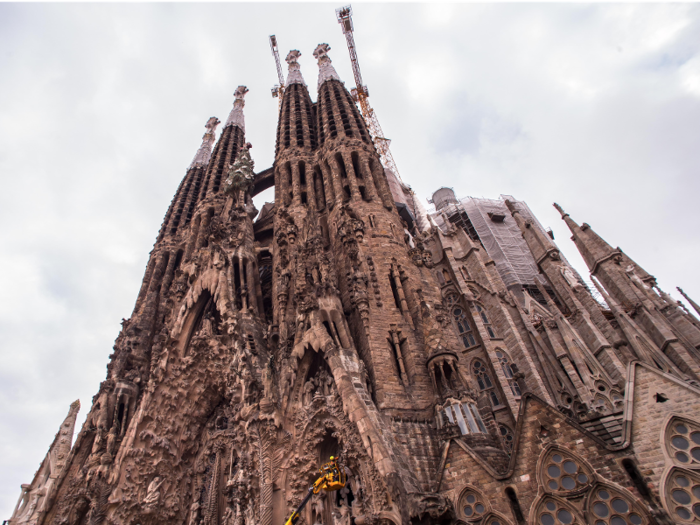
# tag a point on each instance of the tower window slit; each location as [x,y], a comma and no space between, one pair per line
[515,506]
[327,326]
[302,173]
[329,115]
[341,166]
[395,292]
[237,282]
[392,346]
[356,165]
[320,192]
[297,119]
[343,113]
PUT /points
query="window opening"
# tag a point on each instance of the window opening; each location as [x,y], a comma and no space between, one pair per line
[463,327]
[507,437]
[363,193]
[487,323]
[508,372]
[472,505]
[395,292]
[483,379]
[517,511]
[613,509]
[302,173]
[565,473]
[462,220]
[683,443]
[683,495]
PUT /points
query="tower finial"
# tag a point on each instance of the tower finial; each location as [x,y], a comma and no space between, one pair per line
[235,118]
[294,76]
[561,210]
[326,71]
[203,155]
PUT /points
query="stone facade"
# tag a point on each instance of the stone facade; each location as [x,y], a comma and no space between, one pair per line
[342,323]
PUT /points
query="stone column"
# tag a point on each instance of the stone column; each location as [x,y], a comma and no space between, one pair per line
[328,184]
[252,289]
[370,187]
[352,178]
[337,183]
[296,184]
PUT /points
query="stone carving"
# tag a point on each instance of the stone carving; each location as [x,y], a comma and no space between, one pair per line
[570,278]
[241,174]
[326,71]
[294,75]
[236,118]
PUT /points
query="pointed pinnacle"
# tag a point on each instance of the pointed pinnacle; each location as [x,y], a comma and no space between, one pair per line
[560,210]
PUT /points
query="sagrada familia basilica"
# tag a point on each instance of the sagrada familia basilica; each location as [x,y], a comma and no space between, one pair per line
[457,364]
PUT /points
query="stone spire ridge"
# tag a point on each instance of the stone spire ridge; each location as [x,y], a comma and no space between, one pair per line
[692,303]
[326,71]
[34,495]
[594,249]
[294,76]
[203,155]
[64,438]
[235,118]
[538,241]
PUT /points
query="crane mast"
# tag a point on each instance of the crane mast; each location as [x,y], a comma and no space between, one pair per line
[361,95]
[278,89]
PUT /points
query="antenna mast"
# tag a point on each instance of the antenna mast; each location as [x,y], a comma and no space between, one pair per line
[277,89]
[361,95]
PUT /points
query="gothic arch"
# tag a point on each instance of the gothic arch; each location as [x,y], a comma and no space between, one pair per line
[505,362]
[549,509]
[460,319]
[484,379]
[488,325]
[680,494]
[608,504]
[561,471]
[471,504]
[495,518]
[680,437]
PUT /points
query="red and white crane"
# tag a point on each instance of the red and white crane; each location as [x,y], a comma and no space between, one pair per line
[361,95]
[277,89]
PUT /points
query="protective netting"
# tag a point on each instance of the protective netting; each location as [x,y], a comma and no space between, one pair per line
[499,234]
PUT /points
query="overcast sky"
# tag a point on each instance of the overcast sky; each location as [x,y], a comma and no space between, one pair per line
[102,108]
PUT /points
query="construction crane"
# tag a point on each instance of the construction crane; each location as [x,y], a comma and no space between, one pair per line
[361,95]
[277,89]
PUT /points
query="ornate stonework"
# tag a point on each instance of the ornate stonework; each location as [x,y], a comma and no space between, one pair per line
[334,325]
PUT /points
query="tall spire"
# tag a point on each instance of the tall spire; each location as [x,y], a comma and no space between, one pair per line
[294,76]
[35,495]
[235,118]
[595,250]
[203,155]
[692,303]
[326,71]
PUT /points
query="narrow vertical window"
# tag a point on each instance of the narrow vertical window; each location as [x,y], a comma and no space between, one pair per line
[487,323]
[483,379]
[508,372]
[463,328]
